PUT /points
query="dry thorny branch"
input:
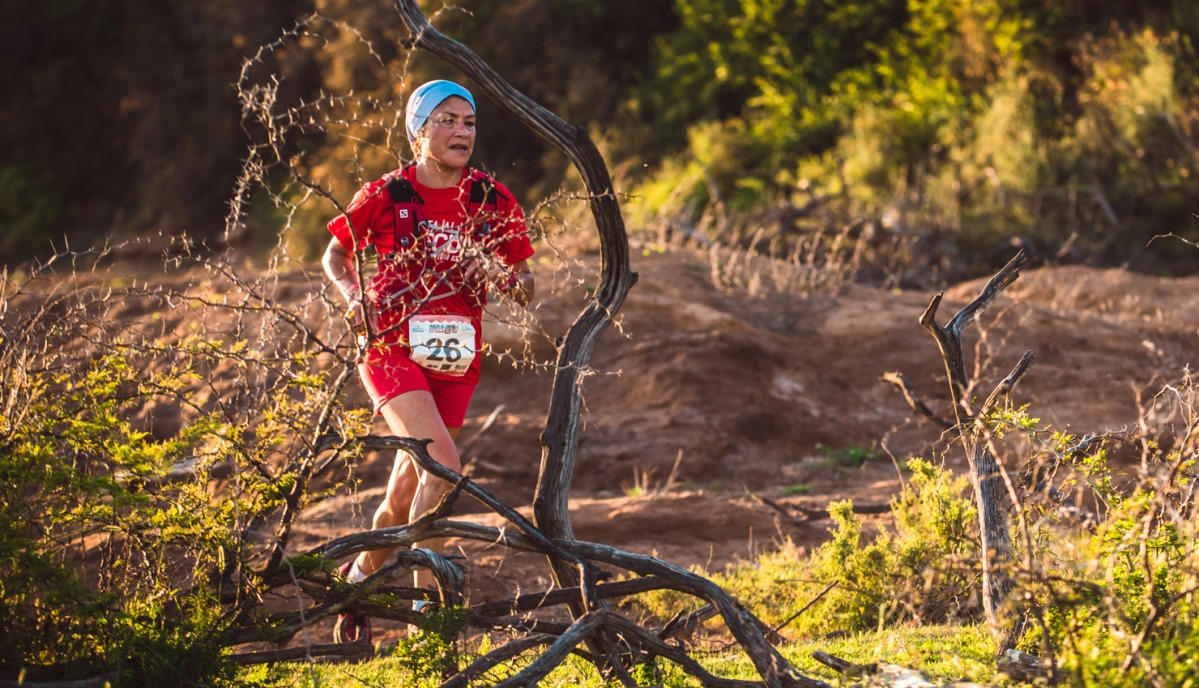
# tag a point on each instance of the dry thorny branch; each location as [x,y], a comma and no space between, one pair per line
[270,335]
[246,327]
[1038,489]
[606,638]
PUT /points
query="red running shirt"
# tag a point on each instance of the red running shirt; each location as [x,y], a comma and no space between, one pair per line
[425,278]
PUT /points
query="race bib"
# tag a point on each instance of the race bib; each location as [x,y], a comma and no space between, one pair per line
[442,343]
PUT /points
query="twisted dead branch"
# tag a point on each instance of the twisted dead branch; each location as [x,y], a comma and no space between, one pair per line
[634,643]
[598,633]
[560,438]
[991,487]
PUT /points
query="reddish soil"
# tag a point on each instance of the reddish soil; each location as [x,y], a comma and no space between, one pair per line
[702,397]
[749,394]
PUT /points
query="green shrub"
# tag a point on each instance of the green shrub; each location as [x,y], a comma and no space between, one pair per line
[131,548]
[434,653]
[1120,608]
[90,561]
[922,572]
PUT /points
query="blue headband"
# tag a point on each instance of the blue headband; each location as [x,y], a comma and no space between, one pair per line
[426,98]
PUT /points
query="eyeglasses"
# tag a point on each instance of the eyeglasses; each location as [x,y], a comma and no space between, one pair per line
[451,122]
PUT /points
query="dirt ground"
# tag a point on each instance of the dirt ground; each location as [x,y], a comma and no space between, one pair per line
[703,397]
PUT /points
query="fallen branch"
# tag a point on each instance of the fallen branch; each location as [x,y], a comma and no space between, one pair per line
[634,645]
[504,653]
[745,627]
[805,608]
[362,649]
[540,600]
[683,625]
[556,652]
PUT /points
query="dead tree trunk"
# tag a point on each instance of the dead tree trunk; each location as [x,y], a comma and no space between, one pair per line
[560,437]
[990,487]
[571,566]
[551,512]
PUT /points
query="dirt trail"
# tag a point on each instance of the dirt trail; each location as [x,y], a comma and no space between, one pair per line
[753,394]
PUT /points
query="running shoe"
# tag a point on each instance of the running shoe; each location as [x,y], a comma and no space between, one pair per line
[351,628]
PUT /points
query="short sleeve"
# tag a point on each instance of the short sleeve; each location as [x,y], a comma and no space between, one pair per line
[513,244]
[352,228]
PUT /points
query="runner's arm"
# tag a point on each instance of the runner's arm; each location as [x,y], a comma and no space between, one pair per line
[338,262]
[520,287]
[339,265]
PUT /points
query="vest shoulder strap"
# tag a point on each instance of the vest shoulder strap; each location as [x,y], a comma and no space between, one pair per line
[400,190]
[484,190]
[406,203]
[405,207]
[484,197]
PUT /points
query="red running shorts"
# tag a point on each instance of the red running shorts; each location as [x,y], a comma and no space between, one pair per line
[387,375]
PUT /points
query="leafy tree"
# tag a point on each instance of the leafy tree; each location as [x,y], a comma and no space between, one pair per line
[936,118]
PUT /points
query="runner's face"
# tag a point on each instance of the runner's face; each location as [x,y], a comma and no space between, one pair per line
[450,133]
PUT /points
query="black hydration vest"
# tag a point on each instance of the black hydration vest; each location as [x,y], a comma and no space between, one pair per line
[410,224]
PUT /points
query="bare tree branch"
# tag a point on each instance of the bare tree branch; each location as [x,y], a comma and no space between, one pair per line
[909,394]
[560,437]
[990,485]
[557,651]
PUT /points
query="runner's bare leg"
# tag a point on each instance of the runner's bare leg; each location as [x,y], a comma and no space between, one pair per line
[411,491]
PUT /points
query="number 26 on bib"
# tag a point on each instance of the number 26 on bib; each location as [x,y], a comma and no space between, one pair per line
[442,343]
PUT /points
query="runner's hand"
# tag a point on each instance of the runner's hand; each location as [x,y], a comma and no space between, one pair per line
[479,267]
[356,317]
